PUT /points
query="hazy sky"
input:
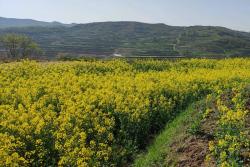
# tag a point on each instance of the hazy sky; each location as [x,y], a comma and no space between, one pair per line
[234,14]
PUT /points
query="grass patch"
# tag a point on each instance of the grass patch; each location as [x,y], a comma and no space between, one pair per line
[175,130]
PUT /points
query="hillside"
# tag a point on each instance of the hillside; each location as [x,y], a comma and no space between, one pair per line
[13,22]
[139,39]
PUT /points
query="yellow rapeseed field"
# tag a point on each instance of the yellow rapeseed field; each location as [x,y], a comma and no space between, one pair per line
[100,113]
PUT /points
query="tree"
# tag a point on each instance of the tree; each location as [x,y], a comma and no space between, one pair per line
[19,46]
[10,42]
[28,47]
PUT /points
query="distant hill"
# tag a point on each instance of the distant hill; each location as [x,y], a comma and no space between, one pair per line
[138,39]
[13,22]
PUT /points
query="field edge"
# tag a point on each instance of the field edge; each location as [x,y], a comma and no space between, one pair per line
[160,149]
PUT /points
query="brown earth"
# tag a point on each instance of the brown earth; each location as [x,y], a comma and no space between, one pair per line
[191,150]
[193,153]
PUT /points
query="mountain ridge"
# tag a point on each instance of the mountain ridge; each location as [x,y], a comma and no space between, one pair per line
[15,22]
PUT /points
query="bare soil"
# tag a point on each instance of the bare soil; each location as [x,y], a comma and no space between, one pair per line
[191,150]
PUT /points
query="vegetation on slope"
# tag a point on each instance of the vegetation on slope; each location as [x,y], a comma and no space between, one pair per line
[140,39]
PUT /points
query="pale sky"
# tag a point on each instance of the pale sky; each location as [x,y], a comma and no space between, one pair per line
[233,14]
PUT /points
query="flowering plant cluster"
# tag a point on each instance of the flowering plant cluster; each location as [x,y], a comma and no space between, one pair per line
[100,113]
[231,146]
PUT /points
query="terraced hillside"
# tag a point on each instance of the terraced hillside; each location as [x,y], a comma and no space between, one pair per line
[140,39]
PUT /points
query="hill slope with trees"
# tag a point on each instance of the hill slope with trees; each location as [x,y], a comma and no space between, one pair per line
[138,39]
